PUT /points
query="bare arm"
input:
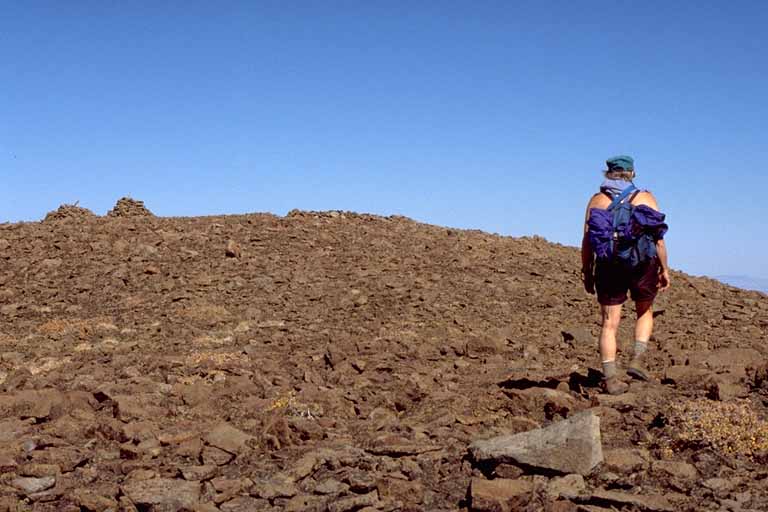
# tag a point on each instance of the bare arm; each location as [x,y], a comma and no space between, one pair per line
[587,255]
[661,250]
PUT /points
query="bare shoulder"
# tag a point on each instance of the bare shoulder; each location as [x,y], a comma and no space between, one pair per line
[645,197]
[599,200]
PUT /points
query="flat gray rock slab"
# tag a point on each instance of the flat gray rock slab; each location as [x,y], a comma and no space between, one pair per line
[569,446]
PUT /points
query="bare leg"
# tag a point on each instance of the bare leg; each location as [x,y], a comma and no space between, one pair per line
[644,325]
[643,329]
[611,320]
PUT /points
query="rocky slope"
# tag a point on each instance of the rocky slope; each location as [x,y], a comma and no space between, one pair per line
[337,361]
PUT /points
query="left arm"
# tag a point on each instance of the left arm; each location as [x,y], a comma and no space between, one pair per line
[587,255]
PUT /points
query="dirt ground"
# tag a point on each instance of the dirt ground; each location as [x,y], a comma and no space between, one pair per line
[337,361]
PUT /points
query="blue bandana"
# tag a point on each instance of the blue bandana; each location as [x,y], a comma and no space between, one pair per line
[615,187]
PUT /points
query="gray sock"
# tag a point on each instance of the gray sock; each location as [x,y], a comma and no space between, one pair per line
[609,369]
[640,347]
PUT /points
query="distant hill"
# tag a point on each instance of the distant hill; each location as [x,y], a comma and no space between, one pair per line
[747,282]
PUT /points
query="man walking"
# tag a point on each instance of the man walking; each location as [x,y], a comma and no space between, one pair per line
[623,251]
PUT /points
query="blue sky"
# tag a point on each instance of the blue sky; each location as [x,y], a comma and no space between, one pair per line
[489,115]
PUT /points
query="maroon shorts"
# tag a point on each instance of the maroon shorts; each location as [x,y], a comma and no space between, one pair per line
[613,281]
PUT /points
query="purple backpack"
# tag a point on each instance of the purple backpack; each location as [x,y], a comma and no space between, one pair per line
[623,233]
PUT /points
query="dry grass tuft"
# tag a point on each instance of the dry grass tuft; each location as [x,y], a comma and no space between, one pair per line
[732,428]
[82,328]
[217,359]
[207,314]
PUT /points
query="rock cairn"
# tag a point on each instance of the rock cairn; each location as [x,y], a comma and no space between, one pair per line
[128,207]
[69,211]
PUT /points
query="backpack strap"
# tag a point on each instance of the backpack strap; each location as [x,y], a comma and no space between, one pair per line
[621,197]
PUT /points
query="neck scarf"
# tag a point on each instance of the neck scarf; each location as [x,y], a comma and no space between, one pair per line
[615,187]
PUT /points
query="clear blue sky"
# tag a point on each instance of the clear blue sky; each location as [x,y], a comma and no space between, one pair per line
[478,114]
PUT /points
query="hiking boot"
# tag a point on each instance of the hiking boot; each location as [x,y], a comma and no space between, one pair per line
[637,368]
[613,386]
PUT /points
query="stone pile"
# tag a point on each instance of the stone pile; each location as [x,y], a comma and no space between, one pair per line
[69,211]
[128,207]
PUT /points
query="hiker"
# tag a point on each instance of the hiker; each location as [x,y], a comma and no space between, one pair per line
[623,251]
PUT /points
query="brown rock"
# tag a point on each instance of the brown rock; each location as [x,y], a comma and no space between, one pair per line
[65,458]
[330,486]
[213,456]
[31,485]
[93,502]
[685,375]
[721,484]
[650,503]
[279,486]
[243,504]
[228,438]
[168,493]
[675,469]
[568,487]
[39,470]
[354,502]
[11,429]
[199,472]
[478,346]
[508,471]
[500,495]
[135,408]
[302,503]
[625,460]
[404,491]
[7,463]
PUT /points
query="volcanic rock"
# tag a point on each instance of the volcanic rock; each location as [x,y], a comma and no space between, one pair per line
[128,207]
[344,347]
[228,438]
[625,460]
[32,485]
[650,503]
[68,212]
[568,446]
[499,495]
[168,493]
[568,486]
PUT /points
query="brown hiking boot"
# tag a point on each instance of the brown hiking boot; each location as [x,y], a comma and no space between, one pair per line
[637,368]
[613,386]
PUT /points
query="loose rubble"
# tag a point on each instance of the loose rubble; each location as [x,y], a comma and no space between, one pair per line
[334,361]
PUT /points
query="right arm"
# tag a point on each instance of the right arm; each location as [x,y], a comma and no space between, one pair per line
[661,250]
[661,247]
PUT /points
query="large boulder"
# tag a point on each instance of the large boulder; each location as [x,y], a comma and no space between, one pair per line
[568,446]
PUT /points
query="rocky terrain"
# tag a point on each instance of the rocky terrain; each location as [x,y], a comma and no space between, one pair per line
[331,361]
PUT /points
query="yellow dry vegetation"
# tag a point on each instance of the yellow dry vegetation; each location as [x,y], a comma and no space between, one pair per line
[282,402]
[217,358]
[83,327]
[206,313]
[732,428]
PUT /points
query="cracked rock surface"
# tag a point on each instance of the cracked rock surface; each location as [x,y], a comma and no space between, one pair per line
[339,361]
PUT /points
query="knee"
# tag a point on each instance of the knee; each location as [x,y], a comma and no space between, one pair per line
[611,322]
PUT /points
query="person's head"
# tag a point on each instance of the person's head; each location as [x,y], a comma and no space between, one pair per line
[620,167]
